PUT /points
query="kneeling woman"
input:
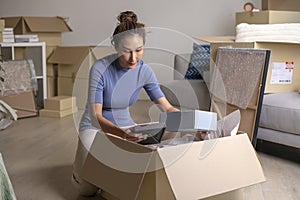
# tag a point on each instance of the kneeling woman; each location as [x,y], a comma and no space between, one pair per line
[114,84]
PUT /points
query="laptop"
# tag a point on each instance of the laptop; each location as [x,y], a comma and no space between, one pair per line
[153,132]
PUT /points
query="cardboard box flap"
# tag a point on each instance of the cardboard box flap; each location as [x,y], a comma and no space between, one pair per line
[69,55]
[102,51]
[46,24]
[126,160]
[23,25]
[211,162]
[11,22]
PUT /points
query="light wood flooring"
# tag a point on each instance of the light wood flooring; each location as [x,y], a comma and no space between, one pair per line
[38,153]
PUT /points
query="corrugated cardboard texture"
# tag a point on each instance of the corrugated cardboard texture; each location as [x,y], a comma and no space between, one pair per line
[237,74]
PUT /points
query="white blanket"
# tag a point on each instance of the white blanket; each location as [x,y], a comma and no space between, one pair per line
[287,32]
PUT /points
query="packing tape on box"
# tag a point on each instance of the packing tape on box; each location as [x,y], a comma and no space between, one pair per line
[248,7]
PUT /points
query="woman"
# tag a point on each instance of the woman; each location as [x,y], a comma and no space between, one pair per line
[114,84]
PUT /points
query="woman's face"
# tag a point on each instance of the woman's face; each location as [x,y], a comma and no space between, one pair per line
[130,51]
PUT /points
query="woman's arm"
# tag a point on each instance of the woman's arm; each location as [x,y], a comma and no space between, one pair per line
[165,105]
[108,127]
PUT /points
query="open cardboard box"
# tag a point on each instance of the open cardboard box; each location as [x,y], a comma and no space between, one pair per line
[194,170]
[73,64]
[48,29]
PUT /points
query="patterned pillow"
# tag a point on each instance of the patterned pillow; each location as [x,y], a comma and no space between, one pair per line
[199,62]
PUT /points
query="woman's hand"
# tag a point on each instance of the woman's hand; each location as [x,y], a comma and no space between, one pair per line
[134,137]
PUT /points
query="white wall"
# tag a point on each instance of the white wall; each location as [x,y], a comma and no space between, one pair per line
[93,21]
[175,22]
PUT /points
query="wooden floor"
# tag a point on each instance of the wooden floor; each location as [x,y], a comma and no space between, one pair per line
[38,153]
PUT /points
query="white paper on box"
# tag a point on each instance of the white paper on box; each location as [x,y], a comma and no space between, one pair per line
[282,72]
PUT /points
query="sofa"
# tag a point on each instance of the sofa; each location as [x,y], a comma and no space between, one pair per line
[186,93]
[279,119]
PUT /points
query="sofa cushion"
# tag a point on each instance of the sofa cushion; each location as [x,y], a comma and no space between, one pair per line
[190,94]
[281,111]
[199,61]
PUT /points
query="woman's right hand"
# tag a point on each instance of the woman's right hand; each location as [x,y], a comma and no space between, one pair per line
[134,137]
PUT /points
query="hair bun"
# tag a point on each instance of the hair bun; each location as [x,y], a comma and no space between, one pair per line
[127,16]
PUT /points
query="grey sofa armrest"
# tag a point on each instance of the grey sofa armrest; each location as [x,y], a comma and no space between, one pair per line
[189,94]
[181,64]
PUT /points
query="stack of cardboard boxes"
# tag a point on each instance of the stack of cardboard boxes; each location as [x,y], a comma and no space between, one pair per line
[280,52]
[73,64]
[48,30]
[59,106]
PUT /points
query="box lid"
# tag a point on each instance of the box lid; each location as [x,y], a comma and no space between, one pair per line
[23,24]
[69,55]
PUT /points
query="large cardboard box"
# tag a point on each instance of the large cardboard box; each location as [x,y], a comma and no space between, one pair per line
[291,5]
[280,53]
[193,170]
[23,102]
[74,59]
[267,17]
[73,65]
[48,29]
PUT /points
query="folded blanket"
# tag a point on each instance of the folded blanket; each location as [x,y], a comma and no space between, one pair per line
[287,32]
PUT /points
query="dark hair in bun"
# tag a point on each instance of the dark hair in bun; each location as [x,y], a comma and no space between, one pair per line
[128,25]
[127,16]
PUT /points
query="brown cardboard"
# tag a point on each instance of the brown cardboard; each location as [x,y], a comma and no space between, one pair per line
[51,86]
[2,25]
[66,86]
[74,58]
[73,63]
[267,17]
[57,113]
[23,102]
[187,171]
[280,52]
[48,29]
[291,5]
[59,103]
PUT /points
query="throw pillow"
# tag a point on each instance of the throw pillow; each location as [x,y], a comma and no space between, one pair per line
[199,63]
